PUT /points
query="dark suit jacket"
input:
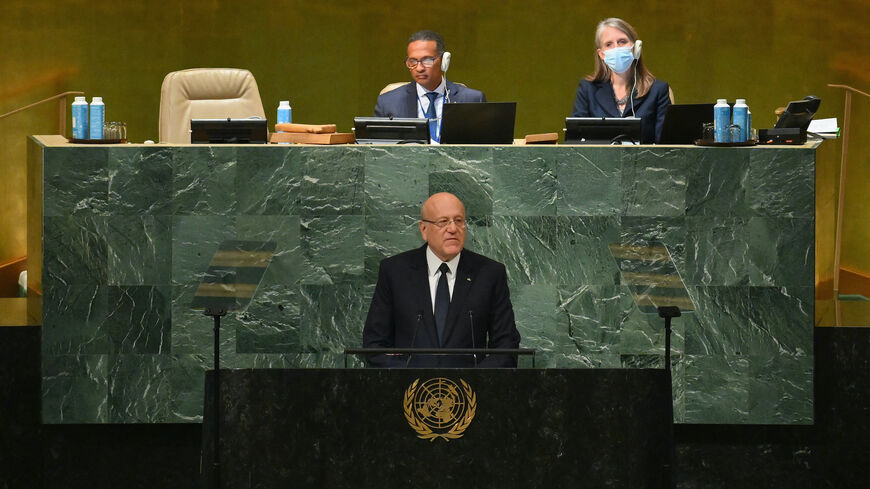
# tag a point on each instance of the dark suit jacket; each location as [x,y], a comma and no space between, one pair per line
[402,102]
[596,99]
[400,315]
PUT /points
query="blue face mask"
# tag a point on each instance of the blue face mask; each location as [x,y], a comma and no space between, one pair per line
[619,59]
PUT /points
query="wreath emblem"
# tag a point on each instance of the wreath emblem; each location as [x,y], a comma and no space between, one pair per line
[439,408]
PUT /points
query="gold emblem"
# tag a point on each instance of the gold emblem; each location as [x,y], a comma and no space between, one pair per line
[439,408]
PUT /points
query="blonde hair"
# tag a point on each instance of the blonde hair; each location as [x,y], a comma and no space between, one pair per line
[602,72]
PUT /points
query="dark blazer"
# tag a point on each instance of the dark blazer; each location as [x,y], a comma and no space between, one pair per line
[596,99]
[402,102]
[400,315]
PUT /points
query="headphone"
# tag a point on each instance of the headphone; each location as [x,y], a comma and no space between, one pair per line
[636,49]
[445,60]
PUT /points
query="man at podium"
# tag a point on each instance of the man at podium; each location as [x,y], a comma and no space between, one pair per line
[441,295]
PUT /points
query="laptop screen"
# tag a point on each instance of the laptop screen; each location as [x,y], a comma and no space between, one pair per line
[683,123]
[478,123]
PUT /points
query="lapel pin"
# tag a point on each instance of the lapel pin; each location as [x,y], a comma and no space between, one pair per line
[468,279]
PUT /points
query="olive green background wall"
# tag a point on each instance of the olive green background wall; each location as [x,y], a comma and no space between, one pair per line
[330,58]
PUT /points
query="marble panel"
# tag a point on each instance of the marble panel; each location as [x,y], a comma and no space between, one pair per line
[669,231]
[779,313]
[268,180]
[596,315]
[332,181]
[540,322]
[782,183]
[139,249]
[718,252]
[203,180]
[466,172]
[193,331]
[195,239]
[654,181]
[524,181]
[333,315]
[138,319]
[74,319]
[589,181]
[74,249]
[74,389]
[396,182]
[782,251]
[332,248]
[717,183]
[285,267]
[722,326]
[140,180]
[75,182]
[271,323]
[525,245]
[582,250]
[388,235]
[780,389]
[155,388]
[716,389]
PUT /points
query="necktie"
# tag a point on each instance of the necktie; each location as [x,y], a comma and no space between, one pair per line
[432,116]
[442,302]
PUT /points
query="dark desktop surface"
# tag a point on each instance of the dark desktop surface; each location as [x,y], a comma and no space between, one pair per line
[830,454]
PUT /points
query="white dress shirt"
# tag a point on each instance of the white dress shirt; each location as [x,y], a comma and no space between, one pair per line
[434,263]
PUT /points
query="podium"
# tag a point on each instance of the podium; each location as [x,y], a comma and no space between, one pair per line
[368,428]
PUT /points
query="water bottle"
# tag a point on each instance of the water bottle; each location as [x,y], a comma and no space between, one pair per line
[721,120]
[285,113]
[80,118]
[739,118]
[748,124]
[98,116]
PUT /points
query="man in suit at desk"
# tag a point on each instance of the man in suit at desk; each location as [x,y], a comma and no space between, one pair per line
[427,60]
[441,296]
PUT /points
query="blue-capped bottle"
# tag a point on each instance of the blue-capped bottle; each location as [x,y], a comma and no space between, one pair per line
[748,124]
[285,112]
[97,118]
[721,120]
[739,117]
[80,118]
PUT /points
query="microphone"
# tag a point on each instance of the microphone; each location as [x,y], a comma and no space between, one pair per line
[471,321]
[414,338]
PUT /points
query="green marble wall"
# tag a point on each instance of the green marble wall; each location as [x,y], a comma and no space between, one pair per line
[128,233]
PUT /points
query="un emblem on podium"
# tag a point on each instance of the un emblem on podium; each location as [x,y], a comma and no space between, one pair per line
[439,408]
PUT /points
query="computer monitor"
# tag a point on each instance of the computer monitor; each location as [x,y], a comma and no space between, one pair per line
[683,123]
[602,130]
[228,131]
[478,123]
[396,130]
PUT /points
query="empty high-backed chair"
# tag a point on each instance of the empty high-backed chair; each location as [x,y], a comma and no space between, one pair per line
[205,93]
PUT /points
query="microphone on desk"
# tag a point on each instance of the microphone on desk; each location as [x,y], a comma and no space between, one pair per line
[414,338]
[471,321]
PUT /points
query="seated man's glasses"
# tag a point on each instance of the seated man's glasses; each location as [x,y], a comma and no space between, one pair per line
[443,223]
[428,62]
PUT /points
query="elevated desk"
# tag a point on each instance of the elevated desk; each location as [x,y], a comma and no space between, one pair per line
[126,234]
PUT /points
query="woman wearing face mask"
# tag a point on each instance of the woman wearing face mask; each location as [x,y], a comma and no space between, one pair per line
[621,86]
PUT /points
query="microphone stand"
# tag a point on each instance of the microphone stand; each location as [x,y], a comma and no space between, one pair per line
[668,313]
[216,312]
